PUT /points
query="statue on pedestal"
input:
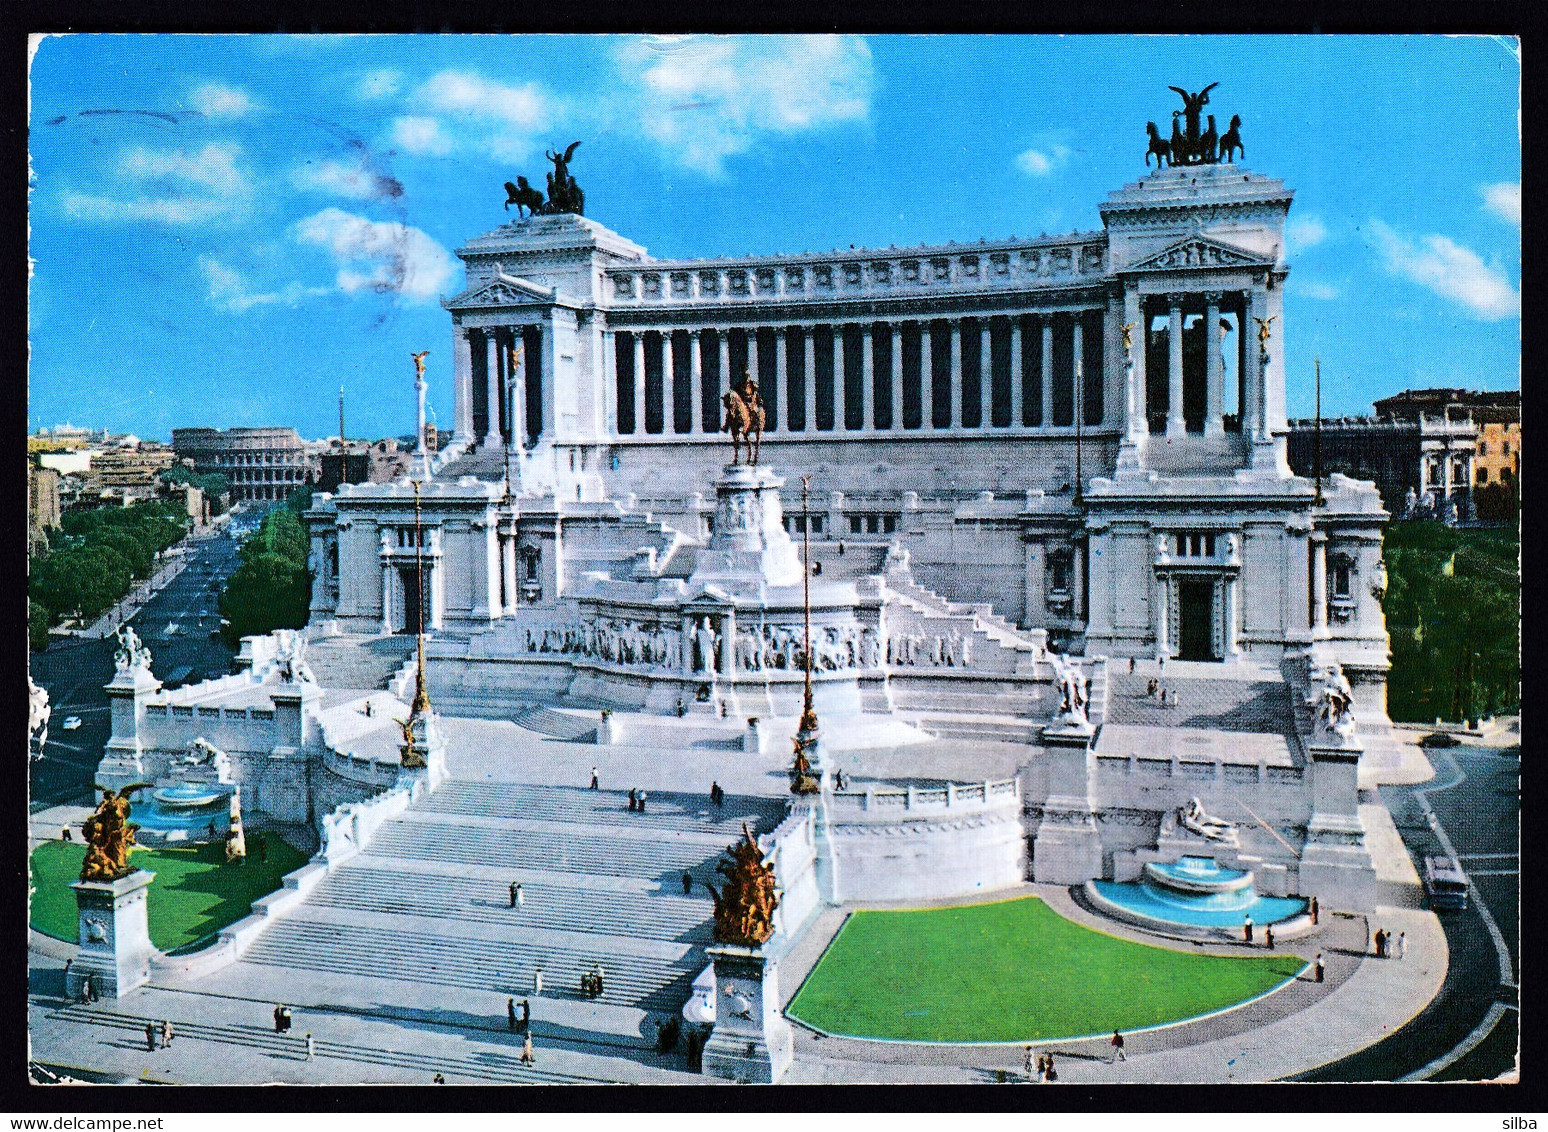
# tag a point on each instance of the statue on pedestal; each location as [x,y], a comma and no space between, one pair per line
[109,836]
[744,419]
[1193,818]
[744,906]
[131,654]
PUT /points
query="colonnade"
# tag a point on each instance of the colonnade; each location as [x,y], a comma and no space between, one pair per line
[492,371]
[973,373]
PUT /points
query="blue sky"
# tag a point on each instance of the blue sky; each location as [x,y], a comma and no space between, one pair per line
[225,229]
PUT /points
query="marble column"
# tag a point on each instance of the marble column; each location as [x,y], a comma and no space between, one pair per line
[985,376]
[782,379]
[1214,370]
[809,390]
[516,394]
[463,390]
[1077,372]
[723,380]
[840,393]
[926,378]
[1163,616]
[609,366]
[548,401]
[1252,409]
[1175,425]
[897,375]
[1015,373]
[639,383]
[668,386]
[492,347]
[508,565]
[696,381]
[956,373]
[1319,581]
[868,377]
[1048,371]
[752,354]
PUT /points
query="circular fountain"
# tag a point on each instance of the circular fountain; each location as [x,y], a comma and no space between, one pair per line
[1197,898]
[189,813]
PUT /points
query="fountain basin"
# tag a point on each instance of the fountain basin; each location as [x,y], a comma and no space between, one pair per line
[184,818]
[187,795]
[1199,875]
[1197,898]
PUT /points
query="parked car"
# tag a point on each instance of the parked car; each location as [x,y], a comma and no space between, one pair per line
[1440,739]
[72,722]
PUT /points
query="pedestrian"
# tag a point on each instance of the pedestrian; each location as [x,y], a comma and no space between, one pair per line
[631,799]
[1026,1064]
[1380,941]
[66,835]
[596,783]
[150,1037]
[279,1019]
[1049,1072]
[537,980]
[526,1015]
[311,1048]
[67,965]
[526,1050]
[510,1014]
[1402,944]
[596,979]
[91,987]
[1117,1044]
[1317,969]
[513,888]
[1314,911]
[1246,929]
[438,1079]
[1161,662]
[687,883]
[166,1032]
[1131,664]
[368,709]
[841,550]
[641,803]
[285,1018]
[1268,936]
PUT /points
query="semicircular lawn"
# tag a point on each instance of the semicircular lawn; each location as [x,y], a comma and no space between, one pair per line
[195,893]
[1013,971]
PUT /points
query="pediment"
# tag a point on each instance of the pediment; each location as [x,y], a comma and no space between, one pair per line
[504,291]
[1199,252]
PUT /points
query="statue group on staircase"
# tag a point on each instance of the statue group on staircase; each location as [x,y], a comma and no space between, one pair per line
[1189,145]
[564,194]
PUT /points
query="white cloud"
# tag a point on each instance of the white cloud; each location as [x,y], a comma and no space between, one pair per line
[1306,231]
[420,136]
[1041,162]
[491,116]
[1504,200]
[382,256]
[228,290]
[704,98]
[1449,269]
[379,84]
[169,187]
[346,179]
[217,100]
[1318,290]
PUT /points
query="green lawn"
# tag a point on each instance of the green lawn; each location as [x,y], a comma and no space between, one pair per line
[1012,971]
[194,894]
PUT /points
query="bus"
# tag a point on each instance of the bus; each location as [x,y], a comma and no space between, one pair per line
[1445,884]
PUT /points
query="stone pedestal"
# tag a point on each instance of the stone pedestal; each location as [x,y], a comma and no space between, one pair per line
[752,1042]
[122,758]
[427,747]
[1336,865]
[115,946]
[1067,848]
[750,548]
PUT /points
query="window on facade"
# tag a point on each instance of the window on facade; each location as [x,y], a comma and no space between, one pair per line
[1341,572]
[1483,447]
[1431,475]
[1058,573]
[1482,475]
[1195,544]
[856,524]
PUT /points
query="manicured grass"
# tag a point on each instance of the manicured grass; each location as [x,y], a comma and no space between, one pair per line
[1012,971]
[194,894]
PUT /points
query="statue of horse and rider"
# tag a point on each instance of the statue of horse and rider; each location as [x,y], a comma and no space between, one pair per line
[564,194]
[1189,145]
[744,418]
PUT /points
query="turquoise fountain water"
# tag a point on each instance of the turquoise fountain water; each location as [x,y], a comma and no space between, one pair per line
[1200,893]
[189,813]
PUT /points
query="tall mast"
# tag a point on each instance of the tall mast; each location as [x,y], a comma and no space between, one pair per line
[1079,412]
[343,444]
[808,711]
[421,697]
[1317,500]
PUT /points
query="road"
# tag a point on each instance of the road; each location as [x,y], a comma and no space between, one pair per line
[1477,808]
[74,670]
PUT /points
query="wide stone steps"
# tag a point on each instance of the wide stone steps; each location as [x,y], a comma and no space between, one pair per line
[483,1065]
[506,967]
[356,663]
[559,725]
[950,725]
[643,915]
[518,849]
[606,808]
[1224,705]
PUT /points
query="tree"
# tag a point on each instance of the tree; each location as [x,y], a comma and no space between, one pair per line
[272,589]
[39,619]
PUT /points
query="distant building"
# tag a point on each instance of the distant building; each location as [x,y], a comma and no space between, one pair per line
[262,464]
[42,506]
[1428,450]
[74,462]
[343,466]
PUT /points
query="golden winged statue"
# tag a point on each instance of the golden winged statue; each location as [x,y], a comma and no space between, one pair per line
[744,906]
[109,835]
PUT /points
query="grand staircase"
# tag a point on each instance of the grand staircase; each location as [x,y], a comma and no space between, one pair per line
[358,663]
[427,905]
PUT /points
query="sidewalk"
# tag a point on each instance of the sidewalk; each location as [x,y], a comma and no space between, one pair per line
[136,599]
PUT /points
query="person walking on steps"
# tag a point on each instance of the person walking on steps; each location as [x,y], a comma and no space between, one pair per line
[640,804]
[633,802]
[510,1014]
[311,1048]
[150,1037]
[1026,1064]
[687,883]
[1117,1044]
[526,1016]
[1318,971]
[1402,944]
[1268,936]
[1247,929]
[166,1033]
[596,783]
[526,1050]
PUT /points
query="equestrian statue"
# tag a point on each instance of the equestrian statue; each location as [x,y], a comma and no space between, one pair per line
[744,419]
